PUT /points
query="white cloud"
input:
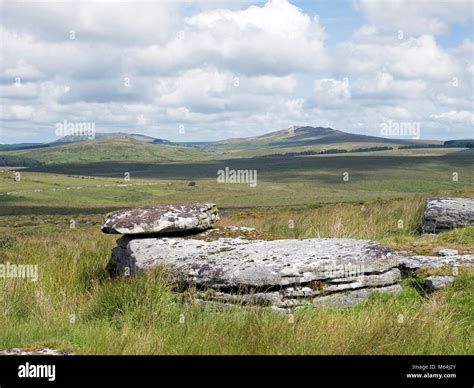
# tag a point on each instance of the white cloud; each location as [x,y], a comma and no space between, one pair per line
[212,90]
[456,117]
[413,58]
[228,69]
[331,93]
[17,112]
[415,17]
[383,85]
[148,22]
[463,102]
[20,91]
[277,38]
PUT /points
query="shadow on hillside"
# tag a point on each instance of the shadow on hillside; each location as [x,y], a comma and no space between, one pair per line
[49,210]
[269,166]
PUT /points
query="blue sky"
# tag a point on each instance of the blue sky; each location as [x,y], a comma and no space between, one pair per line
[197,70]
[338,17]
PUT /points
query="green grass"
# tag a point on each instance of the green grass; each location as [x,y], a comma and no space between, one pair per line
[377,220]
[282,181]
[143,315]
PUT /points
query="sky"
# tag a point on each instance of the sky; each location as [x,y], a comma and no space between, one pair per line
[197,70]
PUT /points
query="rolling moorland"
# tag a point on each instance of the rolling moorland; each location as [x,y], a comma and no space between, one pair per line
[51,216]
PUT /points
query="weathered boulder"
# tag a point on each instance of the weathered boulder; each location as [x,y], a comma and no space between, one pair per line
[293,297]
[162,219]
[235,262]
[410,264]
[278,273]
[448,252]
[445,213]
[354,297]
[436,282]
[239,265]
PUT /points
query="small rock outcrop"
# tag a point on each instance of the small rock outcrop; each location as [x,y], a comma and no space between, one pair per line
[446,213]
[239,265]
[183,217]
[434,283]
[448,252]
[34,352]
[243,266]
[410,264]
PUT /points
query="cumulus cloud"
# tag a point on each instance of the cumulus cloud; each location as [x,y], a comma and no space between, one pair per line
[211,90]
[224,69]
[415,17]
[277,38]
[331,92]
[383,86]
[411,58]
[456,117]
[105,22]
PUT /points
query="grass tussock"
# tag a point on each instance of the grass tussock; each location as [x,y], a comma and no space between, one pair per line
[395,223]
[75,305]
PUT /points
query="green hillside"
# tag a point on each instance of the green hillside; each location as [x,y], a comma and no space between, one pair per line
[303,139]
[110,149]
[122,147]
[113,135]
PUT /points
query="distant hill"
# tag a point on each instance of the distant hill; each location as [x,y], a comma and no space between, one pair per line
[307,138]
[303,136]
[125,147]
[109,148]
[22,146]
[114,135]
[467,143]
